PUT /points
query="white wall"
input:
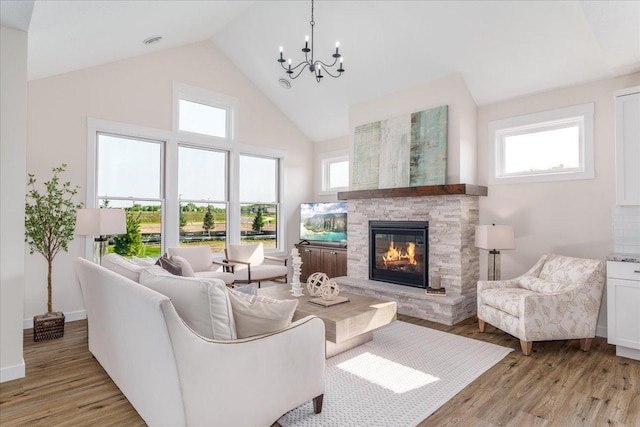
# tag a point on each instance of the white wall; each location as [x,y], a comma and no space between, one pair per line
[567,217]
[139,91]
[13,143]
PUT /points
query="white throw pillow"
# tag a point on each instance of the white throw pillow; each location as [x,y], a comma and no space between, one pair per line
[187,271]
[122,266]
[202,303]
[255,315]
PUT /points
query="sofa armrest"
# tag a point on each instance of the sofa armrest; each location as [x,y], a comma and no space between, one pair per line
[233,382]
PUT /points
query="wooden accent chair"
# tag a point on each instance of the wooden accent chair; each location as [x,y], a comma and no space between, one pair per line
[250,264]
[558,299]
[197,261]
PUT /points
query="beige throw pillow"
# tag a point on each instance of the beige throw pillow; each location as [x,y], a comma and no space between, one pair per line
[255,315]
[202,303]
[187,271]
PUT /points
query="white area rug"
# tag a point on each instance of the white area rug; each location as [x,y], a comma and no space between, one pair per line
[400,378]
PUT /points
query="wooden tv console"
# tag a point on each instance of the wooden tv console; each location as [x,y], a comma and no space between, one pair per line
[331,260]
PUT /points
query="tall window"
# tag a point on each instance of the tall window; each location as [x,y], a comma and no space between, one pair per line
[259,200]
[130,176]
[202,188]
[548,146]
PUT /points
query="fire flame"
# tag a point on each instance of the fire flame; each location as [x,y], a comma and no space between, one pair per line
[397,254]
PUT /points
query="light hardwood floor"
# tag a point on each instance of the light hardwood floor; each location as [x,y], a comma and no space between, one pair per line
[558,385]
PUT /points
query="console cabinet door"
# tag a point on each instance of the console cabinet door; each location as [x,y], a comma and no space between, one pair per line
[311,261]
[334,262]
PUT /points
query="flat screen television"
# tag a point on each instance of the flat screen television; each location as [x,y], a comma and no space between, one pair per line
[323,222]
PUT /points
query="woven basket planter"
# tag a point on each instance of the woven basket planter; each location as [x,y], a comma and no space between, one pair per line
[48,326]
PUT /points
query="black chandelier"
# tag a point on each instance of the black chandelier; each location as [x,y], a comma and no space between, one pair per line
[315,66]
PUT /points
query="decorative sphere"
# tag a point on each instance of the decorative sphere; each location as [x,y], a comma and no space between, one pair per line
[315,283]
[329,290]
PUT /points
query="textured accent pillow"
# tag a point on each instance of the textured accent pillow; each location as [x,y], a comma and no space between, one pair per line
[249,289]
[202,303]
[171,266]
[255,315]
[184,265]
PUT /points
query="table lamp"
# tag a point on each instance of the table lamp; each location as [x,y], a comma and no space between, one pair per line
[100,223]
[494,238]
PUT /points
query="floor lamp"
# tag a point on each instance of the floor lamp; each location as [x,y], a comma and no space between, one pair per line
[100,223]
[494,238]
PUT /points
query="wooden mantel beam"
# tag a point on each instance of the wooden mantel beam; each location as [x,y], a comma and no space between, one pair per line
[426,190]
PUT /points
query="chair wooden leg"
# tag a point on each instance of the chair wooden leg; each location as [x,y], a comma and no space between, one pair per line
[526,347]
[481,325]
[317,404]
[585,344]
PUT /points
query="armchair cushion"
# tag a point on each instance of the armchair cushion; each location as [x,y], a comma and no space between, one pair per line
[199,257]
[566,270]
[253,254]
[260,272]
[202,303]
[256,315]
[508,300]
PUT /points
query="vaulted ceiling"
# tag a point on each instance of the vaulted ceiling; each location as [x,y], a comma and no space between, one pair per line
[503,49]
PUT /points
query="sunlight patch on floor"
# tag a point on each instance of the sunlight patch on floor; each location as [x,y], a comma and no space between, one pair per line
[386,373]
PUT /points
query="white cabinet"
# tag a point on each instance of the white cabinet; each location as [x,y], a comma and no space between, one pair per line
[623,307]
[628,146]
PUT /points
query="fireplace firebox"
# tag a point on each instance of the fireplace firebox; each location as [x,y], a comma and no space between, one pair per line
[399,252]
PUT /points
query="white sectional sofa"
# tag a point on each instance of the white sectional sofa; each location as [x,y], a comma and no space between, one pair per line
[175,377]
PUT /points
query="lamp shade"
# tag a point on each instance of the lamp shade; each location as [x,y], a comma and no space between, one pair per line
[100,222]
[495,237]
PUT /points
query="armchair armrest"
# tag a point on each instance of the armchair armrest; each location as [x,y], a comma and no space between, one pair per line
[227,267]
[497,284]
[235,261]
[275,258]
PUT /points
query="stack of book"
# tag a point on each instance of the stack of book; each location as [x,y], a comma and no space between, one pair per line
[439,291]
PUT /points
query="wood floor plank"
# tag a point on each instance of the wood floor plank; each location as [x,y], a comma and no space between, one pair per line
[558,385]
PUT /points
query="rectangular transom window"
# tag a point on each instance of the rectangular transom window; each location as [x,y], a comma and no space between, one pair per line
[201,118]
[335,172]
[548,146]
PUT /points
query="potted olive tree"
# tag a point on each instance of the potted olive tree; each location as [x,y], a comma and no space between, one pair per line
[50,217]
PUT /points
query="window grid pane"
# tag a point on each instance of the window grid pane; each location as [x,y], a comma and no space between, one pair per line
[258,179]
[258,224]
[339,174]
[203,119]
[544,151]
[129,167]
[202,174]
[203,223]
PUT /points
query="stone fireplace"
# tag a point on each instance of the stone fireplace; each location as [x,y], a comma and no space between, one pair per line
[452,213]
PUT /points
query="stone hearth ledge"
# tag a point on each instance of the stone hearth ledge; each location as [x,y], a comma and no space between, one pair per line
[445,309]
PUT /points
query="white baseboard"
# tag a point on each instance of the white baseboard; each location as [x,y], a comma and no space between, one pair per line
[601,331]
[12,372]
[68,317]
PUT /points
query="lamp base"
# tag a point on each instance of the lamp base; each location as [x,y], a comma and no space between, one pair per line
[493,272]
[100,245]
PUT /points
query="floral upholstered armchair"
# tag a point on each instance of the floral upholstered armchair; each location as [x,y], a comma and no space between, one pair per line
[558,299]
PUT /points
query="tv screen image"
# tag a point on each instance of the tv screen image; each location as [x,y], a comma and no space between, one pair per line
[323,222]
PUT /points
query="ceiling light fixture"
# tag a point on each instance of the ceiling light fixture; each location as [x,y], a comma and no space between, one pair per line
[315,66]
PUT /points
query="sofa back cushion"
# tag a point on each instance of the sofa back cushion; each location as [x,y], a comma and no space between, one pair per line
[568,270]
[202,303]
[199,257]
[122,266]
[256,315]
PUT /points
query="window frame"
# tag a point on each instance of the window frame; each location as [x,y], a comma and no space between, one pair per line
[326,160]
[581,115]
[198,95]
[172,139]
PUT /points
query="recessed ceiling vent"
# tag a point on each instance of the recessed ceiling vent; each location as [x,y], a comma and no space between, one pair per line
[152,40]
[285,83]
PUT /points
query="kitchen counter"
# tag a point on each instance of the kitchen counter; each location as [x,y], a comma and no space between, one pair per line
[624,257]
